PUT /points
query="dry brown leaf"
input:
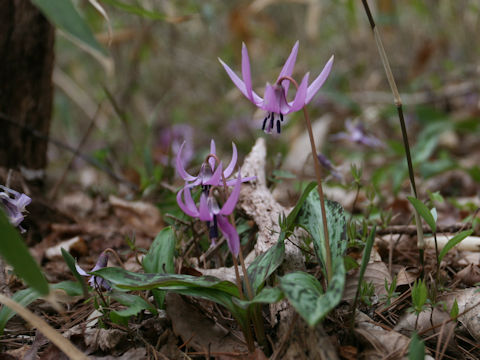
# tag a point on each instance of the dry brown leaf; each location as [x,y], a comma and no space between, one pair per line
[470,275]
[383,341]
[144,217]
[201,332]
[77,243]
[132,354]
[406,277]
[375,273]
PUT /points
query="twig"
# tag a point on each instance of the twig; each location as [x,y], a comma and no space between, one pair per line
[398,104]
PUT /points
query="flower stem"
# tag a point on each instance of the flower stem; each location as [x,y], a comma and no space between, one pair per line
[318,175]
[398,105]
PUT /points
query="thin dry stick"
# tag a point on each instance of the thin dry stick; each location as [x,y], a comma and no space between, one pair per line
[398,105]
[318,175]
[62,343]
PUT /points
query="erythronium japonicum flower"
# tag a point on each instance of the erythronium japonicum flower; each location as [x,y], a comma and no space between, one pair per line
[15,207]
[209,175]
[275,101]
[209,211]
[96,281]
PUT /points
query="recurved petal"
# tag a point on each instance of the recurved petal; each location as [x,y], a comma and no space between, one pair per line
[213,151]
[299,101]
[180,169]
[318,82]
[229,205]
[188,207]
[80,270]
[204,211]
[230,234]
[216,178]
[229,169]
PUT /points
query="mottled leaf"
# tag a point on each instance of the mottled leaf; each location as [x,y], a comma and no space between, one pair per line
[265,264]
[416,349]
[268,295]
[135,304]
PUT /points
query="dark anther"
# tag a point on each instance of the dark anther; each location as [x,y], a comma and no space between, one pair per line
[264,123]
[213,228]
[278,127]
[281,117]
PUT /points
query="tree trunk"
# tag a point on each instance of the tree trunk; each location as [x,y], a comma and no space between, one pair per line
[26,90]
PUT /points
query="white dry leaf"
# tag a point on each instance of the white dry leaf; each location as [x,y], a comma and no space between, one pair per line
[56,251]
[470,243]
[467,299]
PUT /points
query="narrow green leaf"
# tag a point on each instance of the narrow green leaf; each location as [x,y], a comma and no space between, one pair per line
[71,265]
[66,18]
[137,10]
[265,264]
[452,242]
[294,213]
[365,258]
[424,212]
[454,310]
[416,349]
[266,296]
[15,252]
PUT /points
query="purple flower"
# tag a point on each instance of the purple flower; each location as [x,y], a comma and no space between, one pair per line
[14,207]
[356,134]
[327,164]
[275,101]
[209,211]
[96,281]
[209,175]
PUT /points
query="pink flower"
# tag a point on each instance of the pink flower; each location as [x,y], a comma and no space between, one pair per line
[209,211]
[15,207]
[275,97]
[96,281]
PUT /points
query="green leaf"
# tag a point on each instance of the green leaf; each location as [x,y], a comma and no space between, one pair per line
[294,213]
[265,264]
[66,18]
[310,218]
[160,256]
[71,265]
[268,295]
[27,296]
[416,349]
[454,310]
[365,258]
[303,290]
[135,304]
[136,10]
[160,259]
[452,242]
[15,252]
[307,297]
[424,212]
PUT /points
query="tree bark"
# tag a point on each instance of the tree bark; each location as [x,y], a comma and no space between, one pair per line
[26,90]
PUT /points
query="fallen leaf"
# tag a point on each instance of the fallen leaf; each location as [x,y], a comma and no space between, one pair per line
[470,275]
[467,299]
[201,332]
